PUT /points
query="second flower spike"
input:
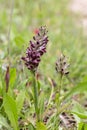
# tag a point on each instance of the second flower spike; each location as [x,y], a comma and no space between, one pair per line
[62,65]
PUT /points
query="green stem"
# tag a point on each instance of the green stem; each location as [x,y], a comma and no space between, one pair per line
[58,103]
[60,87]
[59,95]
[35,90]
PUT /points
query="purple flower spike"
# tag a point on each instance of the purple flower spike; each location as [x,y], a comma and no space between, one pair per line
[36,49]
[62,65]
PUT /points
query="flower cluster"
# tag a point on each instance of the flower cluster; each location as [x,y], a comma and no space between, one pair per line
[36,49]
[62,65]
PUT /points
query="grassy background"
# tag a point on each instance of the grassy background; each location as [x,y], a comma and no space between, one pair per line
[64,35]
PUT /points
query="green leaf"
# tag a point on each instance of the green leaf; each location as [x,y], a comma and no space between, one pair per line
[3,122]
[38,84]
[12,77]
[0,90]
[79,111]
[11,110]
[80,88]
[41,104]
[85,126]
[81,126]
[40,126]
[20,100]
[81,115]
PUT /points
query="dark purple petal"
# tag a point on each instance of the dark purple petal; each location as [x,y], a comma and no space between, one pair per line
[36,49]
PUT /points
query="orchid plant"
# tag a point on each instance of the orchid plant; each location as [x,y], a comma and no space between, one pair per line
[54,106]
[33,57]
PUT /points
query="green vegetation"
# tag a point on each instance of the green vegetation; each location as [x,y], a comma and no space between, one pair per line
[19,21]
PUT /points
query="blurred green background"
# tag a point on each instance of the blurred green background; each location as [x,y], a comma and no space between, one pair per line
[64,35]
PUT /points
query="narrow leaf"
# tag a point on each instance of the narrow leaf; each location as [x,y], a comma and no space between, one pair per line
[80,88]
[12,77]
[79,111]
[41,104]
[19,101]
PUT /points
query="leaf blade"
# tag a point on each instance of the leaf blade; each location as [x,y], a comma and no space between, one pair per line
[11,110]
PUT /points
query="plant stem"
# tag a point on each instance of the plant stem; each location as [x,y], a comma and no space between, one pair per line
[35,90]
[58,103]
[59,94]
[60,87]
